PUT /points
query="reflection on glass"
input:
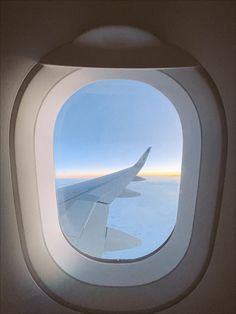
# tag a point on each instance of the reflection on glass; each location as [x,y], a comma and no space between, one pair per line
[117,152]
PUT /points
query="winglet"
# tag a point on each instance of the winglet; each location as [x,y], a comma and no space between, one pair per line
[143,158]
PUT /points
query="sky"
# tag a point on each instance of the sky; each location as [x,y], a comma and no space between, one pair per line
[107,125]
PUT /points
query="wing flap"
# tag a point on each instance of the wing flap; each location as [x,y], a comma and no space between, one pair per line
[91,239]
[138,178]
[129,193]
[73,219]
[119,240]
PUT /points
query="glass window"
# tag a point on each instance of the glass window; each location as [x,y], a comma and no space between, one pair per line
[117,152]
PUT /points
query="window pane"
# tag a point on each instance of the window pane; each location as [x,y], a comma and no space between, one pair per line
[111,205]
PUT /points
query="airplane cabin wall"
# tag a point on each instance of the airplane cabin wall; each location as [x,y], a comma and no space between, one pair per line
[30,29]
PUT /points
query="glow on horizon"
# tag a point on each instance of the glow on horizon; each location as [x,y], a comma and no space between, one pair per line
[84,175]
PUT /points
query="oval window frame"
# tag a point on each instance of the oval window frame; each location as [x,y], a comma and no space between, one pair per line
[119,299]
[120,274]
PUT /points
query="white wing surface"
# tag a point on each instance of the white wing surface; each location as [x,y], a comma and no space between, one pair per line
[84,207]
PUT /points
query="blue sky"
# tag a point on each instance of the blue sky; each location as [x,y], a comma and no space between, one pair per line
[107,125]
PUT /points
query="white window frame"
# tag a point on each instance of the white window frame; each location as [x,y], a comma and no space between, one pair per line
[59,268]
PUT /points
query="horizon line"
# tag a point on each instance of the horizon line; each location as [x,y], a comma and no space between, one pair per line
[98,174]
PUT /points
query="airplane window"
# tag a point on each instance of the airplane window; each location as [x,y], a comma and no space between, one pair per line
[103,210]
[117,155]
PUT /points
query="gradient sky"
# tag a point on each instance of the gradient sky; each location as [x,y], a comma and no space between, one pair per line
[107,125]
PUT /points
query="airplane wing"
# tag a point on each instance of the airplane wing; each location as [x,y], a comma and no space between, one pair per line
[84,207]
